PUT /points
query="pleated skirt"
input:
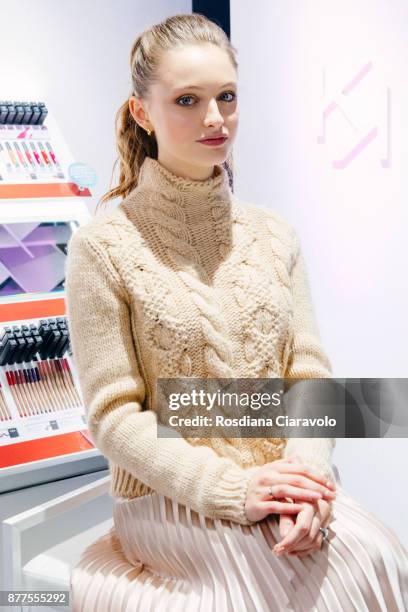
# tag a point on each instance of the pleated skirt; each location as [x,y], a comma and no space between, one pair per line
[161,556]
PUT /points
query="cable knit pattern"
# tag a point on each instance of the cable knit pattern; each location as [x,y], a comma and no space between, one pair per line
[183,280]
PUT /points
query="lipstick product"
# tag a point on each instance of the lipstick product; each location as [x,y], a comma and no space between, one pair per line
[52,155]
[44,154]
[11,112]
[28,113]
[15,393]
[43,111]
[13,157]
[36,113]
[38,385]
[36,156]
[4,411]
[28,154]
[47,400]
[30,159]
[56,383]
[73,398]
[29,347]
[34,387]
[21,347]
[6,348]
[19,112]
[5,160]
[64,390]
[22,113]
[19,155]
[23,161]
[60,174]
[6,334]
[27,390]
[45,375]
[3,112]
[22,391]
[69,382]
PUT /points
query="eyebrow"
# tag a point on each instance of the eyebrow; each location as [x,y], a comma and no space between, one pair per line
[197,86]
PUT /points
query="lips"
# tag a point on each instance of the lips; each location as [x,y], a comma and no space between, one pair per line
[214,138]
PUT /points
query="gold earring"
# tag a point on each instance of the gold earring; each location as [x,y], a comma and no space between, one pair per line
[148,132]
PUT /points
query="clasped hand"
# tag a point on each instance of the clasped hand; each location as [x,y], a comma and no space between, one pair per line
[297,489]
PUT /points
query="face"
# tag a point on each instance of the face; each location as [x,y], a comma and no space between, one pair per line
[195,96]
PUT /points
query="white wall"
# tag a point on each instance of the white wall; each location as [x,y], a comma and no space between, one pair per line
[74,55]
[352,221]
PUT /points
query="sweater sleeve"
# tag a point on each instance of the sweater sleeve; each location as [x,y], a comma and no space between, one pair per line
[307,360]
[113,391]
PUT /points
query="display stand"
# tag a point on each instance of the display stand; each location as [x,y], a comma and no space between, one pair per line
[43,434]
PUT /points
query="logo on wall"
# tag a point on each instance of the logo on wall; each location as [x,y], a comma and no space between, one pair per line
[355,116]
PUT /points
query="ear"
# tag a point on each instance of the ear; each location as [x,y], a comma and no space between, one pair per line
[138,112]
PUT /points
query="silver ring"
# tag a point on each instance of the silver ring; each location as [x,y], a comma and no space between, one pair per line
[270,491]
[325,532]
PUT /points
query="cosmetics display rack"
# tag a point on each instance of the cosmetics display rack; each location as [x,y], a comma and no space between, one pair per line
[38,390]
[34,159]
[43,432]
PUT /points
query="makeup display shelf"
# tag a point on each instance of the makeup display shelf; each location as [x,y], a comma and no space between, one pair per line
[43,433]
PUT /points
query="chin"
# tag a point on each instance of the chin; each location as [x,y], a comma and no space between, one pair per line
[217,156]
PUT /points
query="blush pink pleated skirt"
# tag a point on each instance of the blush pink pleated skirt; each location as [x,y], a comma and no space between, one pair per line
[160,556]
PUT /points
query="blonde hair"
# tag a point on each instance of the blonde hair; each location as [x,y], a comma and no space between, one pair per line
[132,141]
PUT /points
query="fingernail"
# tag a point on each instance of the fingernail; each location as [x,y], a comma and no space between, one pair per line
[316,494]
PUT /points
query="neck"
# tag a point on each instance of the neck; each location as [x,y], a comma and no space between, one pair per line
[190,219]
[189,171]
[153,175]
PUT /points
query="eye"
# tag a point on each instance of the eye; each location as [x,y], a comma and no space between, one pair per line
[228,93]
[184,98]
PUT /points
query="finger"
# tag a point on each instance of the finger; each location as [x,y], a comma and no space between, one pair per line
[306,470]
[303,553]
[296,458]
[322,510]
[277,507]
[314,530]
[309,540]
[297,479]
[301,528]
[315,546]
[325,510]
[286,523]
[286,490]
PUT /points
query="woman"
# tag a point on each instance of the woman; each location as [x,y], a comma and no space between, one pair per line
[183,280]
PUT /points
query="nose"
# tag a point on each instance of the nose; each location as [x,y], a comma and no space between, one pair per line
[213,115]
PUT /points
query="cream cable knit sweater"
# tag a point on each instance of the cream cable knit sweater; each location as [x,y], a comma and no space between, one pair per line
[184,280]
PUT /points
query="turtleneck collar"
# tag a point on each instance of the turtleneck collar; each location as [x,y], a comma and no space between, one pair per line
[201,200]
[190,220]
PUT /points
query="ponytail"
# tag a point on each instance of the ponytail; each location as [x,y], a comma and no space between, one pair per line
[133,145]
